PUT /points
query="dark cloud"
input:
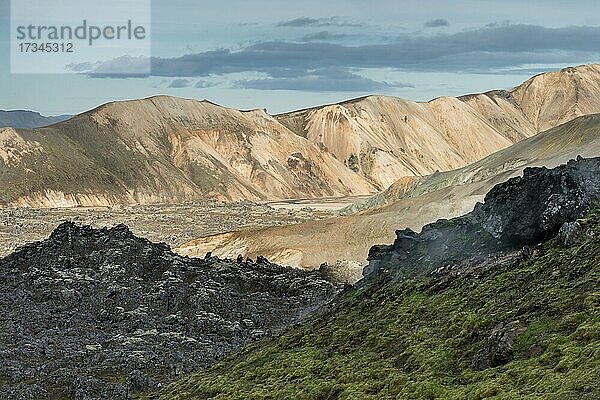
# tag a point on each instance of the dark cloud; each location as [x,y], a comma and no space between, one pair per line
[436,23]
[179,83]
[479,49]
[323,80]
[302,21]
[323,36]
[318,22]
[482,50]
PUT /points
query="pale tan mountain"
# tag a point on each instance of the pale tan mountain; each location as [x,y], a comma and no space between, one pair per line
[387,138]
[550,99]
[169,150]
[410,203]
[166,150]
[500,110]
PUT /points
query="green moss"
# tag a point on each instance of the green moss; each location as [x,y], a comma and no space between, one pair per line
[408,340]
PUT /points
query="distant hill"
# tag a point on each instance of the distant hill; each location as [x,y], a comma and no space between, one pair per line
[27,119]
[166,150]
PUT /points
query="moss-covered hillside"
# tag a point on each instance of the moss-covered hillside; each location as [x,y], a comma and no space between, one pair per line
[523,325]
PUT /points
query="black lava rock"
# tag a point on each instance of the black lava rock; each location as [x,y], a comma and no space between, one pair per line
[101,314]
[520,212]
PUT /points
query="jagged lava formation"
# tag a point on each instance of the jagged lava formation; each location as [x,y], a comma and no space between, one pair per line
[91,313]
[522,211]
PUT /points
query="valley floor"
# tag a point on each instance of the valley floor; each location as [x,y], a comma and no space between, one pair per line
[172,224]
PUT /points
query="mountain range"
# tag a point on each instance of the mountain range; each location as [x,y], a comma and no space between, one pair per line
[169,150]
[27,119]
[411,202]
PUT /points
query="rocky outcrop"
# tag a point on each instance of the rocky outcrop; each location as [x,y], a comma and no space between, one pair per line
[522,211]
[531,208]
[101,314]
[499,346]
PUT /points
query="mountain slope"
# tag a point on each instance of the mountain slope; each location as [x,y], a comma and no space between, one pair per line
[387,138]
[553,98]
[411,203]
[502,321]
[164,149]
[27,119]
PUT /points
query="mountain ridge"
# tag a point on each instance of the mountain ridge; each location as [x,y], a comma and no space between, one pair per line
[26,119]
[164,150]
[167,149]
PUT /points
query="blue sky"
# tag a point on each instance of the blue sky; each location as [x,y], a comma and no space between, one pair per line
[284,55]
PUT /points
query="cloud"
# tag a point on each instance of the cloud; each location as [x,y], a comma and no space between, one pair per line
[302,21]
[323,80]
[318,22]
[508,45]
[323,36]
[120,67]
[436,23]
[483,50]
[179,83]
[204,84]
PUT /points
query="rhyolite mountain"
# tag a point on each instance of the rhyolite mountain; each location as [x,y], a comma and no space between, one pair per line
[170,150]
[102,314]
[387,138]
[27,119]
[412,202]
[500,303]
[165,150]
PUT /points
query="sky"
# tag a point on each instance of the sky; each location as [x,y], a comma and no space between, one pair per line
[283,56]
